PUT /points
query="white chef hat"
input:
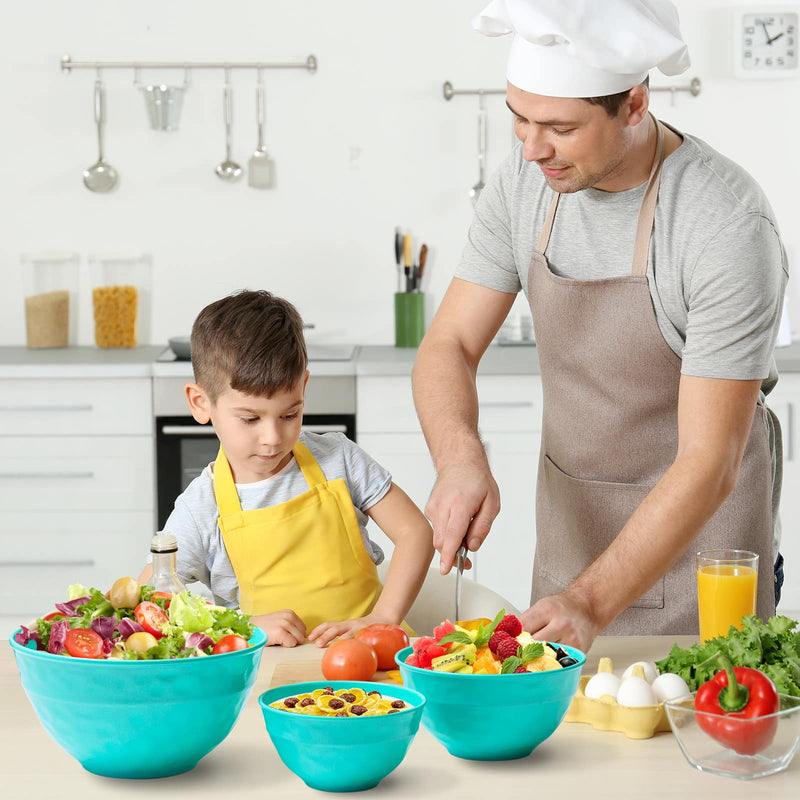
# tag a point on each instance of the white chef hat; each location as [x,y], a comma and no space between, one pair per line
[585,48]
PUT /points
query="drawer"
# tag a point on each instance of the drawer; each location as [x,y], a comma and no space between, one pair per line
[506,403]
[42,553]
[70,406]
[77,473]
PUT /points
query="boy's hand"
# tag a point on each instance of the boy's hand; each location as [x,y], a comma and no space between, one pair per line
[282,627]
[325,633]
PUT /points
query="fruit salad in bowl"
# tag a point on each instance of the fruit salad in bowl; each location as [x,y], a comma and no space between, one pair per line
[492,692]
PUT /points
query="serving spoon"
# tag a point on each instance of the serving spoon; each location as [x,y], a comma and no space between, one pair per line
[476,190]
[228,169]
[101,176]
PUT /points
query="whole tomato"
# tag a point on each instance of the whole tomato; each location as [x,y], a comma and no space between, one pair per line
[385,640]
[349,660]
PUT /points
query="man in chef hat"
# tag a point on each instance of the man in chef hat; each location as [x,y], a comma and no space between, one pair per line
[655,276]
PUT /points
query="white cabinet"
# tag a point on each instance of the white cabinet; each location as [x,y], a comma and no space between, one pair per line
[785,402]
[77,488]
[510,409]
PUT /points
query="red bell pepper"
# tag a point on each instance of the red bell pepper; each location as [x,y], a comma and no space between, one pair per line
[740,696]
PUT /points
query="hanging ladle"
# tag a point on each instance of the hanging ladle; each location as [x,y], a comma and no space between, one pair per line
[100,177]
[476,190]
[228,169]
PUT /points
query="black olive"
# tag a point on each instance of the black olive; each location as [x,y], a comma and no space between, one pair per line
[567,661]
[561,653]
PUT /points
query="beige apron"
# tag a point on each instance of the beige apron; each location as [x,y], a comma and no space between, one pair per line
[609,432]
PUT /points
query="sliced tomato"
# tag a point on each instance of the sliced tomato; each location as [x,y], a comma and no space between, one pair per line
[229,643]
[151,617]
[53,615]
[165,596]
[84,643]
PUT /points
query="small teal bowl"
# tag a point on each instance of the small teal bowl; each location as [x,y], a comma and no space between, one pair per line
[139,719]
[342,754]
[493,717]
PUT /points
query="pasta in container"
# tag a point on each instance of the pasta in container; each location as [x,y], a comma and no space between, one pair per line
[120,299]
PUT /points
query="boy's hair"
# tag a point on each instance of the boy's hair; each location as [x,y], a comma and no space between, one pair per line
[251,340]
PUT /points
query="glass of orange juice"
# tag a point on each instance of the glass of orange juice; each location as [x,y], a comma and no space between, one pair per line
[726,589]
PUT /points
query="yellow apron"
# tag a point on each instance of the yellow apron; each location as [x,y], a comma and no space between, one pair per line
[306,554]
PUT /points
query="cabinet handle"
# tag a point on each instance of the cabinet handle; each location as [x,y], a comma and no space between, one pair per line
[86,407]
[507,404]
[45,475]
[188,430]
[78,562]
[325,428]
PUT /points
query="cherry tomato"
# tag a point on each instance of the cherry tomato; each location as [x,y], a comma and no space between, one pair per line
[84,643]
[229,643]
[349,660]
[151,617]
[53,615]
[165,596]
[385,640]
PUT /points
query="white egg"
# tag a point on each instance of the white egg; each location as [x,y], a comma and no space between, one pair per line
[669,686]
[600,684]
[635,691]
[650,670]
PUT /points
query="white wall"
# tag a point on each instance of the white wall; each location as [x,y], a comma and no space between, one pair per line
[365,144]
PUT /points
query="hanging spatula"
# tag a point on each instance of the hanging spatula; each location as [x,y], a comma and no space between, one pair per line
[260,167]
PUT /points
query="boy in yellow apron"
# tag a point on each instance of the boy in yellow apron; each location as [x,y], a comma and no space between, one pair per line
[277,523]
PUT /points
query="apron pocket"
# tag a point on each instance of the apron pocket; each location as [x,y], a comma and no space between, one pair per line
[576,520]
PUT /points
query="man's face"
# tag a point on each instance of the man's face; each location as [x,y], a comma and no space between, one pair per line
[575,143]
[258,432]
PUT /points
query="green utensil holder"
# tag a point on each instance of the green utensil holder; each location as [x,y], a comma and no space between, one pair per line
[409,318]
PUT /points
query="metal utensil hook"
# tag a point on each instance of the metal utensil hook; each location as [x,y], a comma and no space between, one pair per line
[227,74]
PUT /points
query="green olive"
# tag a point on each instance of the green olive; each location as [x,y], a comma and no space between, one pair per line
[125,593]
[140,642]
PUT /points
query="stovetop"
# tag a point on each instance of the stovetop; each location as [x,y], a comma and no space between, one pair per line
[316,352]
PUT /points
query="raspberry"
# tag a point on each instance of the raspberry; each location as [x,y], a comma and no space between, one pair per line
[520,668]
[508,647]
[510,624]
[496,638]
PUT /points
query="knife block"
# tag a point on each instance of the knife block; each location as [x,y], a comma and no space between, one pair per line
[409,319]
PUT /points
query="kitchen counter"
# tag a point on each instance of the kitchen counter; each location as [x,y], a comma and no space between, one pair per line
[576,762]
[78,362]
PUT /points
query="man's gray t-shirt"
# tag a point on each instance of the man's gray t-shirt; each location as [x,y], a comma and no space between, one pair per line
[716,269]
[201,551]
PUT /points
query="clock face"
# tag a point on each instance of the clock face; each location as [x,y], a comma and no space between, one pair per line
[768,42]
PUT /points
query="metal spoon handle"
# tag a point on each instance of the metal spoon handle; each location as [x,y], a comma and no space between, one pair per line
[228,121]
[482,137]
[99,115]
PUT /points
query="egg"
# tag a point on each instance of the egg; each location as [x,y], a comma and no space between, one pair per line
[635,691]
[650,670]
[669,686]
[600,684]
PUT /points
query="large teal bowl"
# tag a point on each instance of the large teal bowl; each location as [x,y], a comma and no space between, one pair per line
[342,754]
[493,717]
[139,719]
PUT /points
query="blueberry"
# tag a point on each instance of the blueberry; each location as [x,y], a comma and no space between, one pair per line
[567,661]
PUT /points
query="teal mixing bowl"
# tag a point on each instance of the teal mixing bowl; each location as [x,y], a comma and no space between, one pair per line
[493,717]
[139,719]
[342,754]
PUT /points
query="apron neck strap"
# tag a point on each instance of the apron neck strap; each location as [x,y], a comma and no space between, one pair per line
[646,211]
[308,465]
[224,488]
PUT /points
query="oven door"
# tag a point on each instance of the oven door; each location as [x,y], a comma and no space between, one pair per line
[184,448]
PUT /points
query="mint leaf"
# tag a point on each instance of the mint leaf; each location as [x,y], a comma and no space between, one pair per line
[511,664]
[531,651]
[455,636]
[485,631]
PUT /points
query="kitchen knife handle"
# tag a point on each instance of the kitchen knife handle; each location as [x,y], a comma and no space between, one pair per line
[398,246]
[407,251]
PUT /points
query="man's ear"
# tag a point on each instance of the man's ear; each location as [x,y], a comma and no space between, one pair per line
[637,104]
[198,401]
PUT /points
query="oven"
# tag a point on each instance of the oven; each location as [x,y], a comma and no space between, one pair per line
[184,447]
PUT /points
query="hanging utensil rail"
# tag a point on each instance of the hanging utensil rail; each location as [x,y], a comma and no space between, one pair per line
[67,64]
[449,91]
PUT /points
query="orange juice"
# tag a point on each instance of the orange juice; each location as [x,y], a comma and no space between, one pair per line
[725,593]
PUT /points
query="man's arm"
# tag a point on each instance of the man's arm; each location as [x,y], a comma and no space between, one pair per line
[714,421]
[465,499]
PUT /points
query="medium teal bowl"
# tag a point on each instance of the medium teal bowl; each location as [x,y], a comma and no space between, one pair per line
[493,717]
[139,719]
[342,754]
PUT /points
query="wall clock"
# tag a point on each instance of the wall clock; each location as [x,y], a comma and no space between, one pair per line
[765,42]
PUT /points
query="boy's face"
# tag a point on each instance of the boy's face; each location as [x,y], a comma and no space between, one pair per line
[256,432]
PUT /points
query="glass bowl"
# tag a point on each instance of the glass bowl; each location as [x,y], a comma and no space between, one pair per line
[705,753]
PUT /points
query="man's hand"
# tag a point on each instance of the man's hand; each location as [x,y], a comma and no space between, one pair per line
[282,627]
[463,504]
[561,618]
[325,633]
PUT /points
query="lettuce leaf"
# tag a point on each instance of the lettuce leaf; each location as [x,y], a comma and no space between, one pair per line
[190,613]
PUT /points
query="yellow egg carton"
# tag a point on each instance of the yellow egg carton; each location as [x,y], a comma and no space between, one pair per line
[606,714]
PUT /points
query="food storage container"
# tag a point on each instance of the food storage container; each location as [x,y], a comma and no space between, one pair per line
[121,299]
[50,287]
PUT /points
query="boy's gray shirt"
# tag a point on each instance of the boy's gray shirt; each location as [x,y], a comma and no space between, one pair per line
[201,552]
